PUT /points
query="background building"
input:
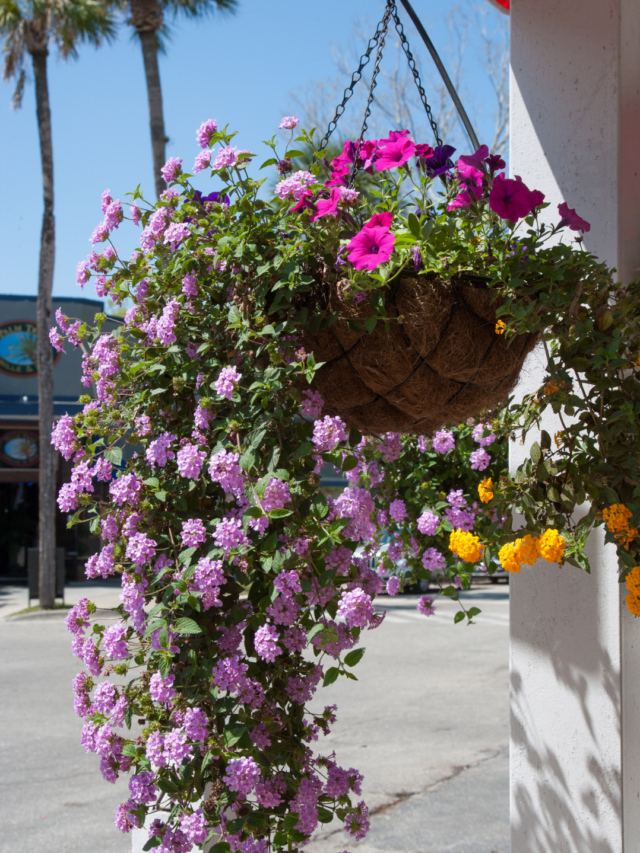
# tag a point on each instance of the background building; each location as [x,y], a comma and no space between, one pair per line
[19,432]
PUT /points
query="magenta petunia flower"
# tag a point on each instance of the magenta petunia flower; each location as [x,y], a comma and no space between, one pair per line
[395,155]
[495,162]
[303,203]
[371,247]
[471,167]
[512,199]
[463,200]
[571,218]
[383,219]
[423,151]
[328,206]
[394,136]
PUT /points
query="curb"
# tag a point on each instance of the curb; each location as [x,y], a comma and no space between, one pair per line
[44,614]
[38,614]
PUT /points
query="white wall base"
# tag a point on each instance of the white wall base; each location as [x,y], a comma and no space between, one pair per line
[575,649]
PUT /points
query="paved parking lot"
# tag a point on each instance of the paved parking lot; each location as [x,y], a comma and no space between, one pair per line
[427,724]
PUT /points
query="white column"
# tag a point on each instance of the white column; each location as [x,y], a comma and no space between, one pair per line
[575,649]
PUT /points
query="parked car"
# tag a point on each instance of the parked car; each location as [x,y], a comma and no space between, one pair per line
[422,585]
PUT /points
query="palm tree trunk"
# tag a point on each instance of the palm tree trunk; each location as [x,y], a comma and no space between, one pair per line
[156,117]
[47,483]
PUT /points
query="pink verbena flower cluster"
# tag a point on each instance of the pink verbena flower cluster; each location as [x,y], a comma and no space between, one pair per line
[227,382]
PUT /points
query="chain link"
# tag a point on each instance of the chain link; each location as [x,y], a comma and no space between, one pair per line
[374,83]
[416,75]
[378,40]
[355,78]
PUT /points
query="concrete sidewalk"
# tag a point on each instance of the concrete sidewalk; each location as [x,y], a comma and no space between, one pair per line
[14,597]
[427,724]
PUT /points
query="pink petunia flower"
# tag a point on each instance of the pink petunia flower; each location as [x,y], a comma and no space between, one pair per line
[471,167]
[571,218]
[512,199]
[383,219]
[328,206]
[463,200]
[371,247]
[395,155]
[394,136]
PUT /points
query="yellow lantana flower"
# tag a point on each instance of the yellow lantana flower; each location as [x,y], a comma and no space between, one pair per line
[617,518]
[527,550]
[509,558]
[467,546]
[485,490]
[633,585]
[500,327]
[551,546]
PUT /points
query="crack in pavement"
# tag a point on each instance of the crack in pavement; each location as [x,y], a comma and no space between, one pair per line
[403,797]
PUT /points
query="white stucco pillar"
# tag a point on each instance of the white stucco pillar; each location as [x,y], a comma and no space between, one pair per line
[575,649]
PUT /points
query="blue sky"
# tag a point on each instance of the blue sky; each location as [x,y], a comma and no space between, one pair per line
[239,69]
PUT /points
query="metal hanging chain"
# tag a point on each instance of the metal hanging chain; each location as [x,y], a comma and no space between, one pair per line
[355,78]
[378,40]
[374,82]
[416,75]
[443,73]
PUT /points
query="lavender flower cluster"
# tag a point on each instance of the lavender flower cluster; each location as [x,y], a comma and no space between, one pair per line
[196,459]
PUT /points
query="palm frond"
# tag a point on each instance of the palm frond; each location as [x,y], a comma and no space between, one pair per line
[16,99]
[200,8]
[76,21]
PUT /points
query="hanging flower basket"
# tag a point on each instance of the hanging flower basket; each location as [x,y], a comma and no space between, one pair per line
[440,359]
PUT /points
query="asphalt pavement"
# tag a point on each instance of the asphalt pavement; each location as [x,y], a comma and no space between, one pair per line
[427,724]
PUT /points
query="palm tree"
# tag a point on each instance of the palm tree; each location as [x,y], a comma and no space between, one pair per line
[147,17]
[28,28]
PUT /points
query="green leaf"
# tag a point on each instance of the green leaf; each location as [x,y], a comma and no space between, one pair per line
[161,495]
[185,625]
[458,617]
[330,676]
[248,460]
[535,452]
[153,626]
[153,482]
[427,228]
[349,463]
[232,734]
[270,162]
[187,554]
[234,826]
[319,506]
[545,440]
[354,657]
[290,822]
[370,323]
[355,325]
[114,455]
[473,611]
[314,632]
[280,513]
[303,450]
[553,494]
[414,225]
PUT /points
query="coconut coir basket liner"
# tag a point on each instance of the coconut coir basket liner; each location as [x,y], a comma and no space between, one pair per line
[439,363]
